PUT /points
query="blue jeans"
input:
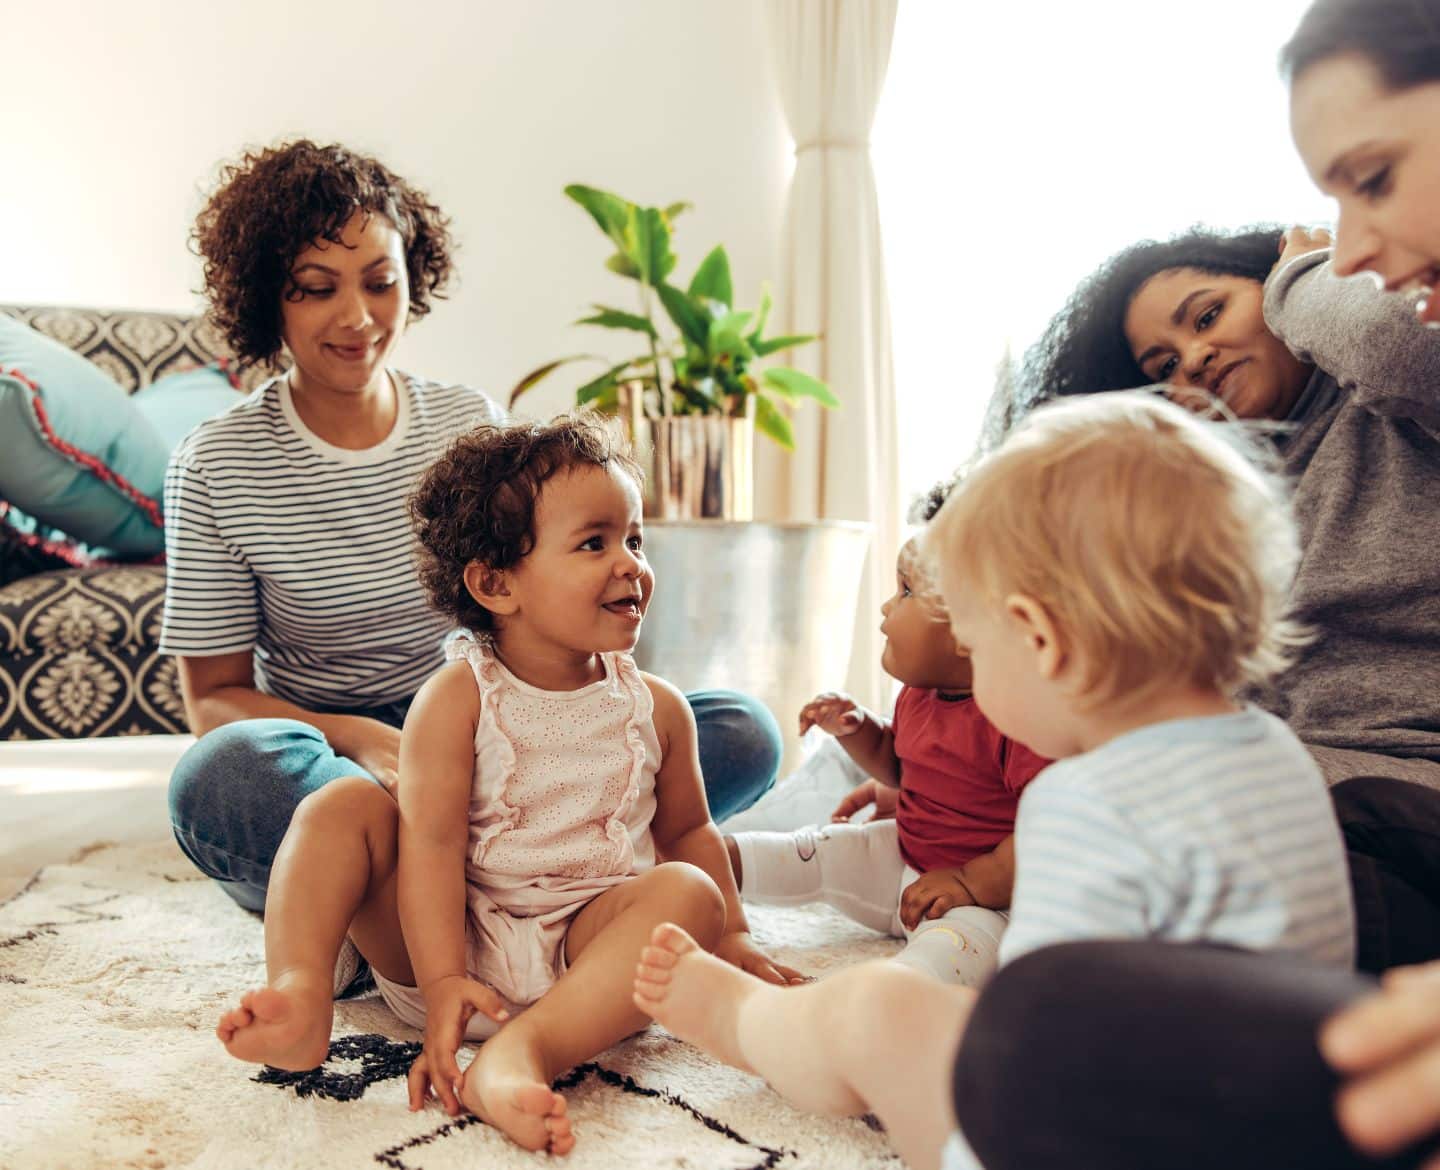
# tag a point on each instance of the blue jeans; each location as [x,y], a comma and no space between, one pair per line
[233,793]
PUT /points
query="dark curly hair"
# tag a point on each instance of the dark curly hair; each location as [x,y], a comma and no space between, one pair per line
[1083,350]
[272,204]
[1401,38]
[477,502]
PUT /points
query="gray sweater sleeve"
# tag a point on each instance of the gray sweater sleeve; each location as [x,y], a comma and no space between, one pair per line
[1367,340]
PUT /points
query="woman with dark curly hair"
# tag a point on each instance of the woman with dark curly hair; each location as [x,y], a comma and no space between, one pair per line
[292,601]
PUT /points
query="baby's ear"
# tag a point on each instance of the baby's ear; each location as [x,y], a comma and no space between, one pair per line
[1041,634]
[490,587]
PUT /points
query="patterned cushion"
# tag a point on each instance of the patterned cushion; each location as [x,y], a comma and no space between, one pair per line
[133,348]
[78,651]
[78,656]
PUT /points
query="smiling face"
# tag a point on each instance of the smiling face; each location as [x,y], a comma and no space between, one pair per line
[345,307]
[1377,151]
[1202,332]
[919,650]
[585,585]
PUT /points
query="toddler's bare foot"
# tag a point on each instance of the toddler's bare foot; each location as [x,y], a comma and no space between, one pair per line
[504,1087]
[285,1025]
[693,994]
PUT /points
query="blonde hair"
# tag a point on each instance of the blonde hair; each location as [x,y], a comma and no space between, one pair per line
[1160,550]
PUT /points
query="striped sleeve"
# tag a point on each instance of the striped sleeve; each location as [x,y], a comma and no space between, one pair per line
[1082,872]
[211,605]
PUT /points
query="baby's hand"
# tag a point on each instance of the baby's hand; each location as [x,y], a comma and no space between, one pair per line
[931,895]
[449,1004]
[833,712]
[738,949]
[882,796]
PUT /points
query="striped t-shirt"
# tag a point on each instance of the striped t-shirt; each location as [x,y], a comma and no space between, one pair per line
[1216,830]
[278,542]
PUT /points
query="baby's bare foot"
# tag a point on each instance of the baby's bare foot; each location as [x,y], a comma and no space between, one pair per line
[285,1025]
[504,1091]
[693,994]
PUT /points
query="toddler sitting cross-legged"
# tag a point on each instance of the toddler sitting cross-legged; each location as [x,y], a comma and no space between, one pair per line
[936,864]
[551,811]
[1117,571]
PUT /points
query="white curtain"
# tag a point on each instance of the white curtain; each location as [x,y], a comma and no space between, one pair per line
[830,59]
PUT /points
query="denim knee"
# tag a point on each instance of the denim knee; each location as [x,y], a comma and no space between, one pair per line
[740,749]
[233,793]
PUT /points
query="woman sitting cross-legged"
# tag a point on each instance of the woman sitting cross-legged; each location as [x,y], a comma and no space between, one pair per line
[291,599]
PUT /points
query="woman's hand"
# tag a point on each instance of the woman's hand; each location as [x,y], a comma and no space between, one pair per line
[931,895]
[1299,240]
[882,796]
[377,750]
[1388,1047]
[833,712]
[739,950]
[449,1004]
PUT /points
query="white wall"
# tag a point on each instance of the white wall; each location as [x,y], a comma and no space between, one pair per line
[113,117]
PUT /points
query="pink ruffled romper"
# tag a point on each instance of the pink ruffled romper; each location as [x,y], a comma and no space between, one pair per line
[560,811]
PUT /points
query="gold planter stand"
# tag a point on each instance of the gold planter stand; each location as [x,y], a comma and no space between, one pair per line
[697,466]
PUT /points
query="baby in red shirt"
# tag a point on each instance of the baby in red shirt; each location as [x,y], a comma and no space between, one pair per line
[937,863]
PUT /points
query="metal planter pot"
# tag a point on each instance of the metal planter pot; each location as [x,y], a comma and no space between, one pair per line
[768,609]
[697,466]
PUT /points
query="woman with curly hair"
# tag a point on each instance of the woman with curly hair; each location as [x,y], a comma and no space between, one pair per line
[292,601]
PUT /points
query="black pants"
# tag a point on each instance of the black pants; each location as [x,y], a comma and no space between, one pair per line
[1392,833]
[1153,1056]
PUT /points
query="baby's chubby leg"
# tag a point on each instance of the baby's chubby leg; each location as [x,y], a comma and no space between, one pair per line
[334,872]
[874,1037]
[589,1008]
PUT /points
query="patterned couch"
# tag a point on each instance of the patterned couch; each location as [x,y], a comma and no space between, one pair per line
[78,647]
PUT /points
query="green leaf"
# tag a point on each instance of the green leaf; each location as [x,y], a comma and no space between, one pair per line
[593,390]
[689,318]
[762,314]
[770,421]
[712,278]
[544,371]
[700,395]
[647,238]
[607,401]
[776,344]
[623,266]
[795,384]
[727,335]
[619,319]
[609,211]
[676,208]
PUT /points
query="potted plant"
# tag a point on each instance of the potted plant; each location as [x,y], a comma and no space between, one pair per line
[692,401]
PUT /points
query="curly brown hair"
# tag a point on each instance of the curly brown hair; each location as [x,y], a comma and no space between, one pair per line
[272,204]
[477,502]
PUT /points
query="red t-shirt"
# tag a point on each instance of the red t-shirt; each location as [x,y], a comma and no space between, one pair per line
[960,780]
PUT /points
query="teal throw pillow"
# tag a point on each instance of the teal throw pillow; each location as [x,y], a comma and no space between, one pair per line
[75,452]
[178,403]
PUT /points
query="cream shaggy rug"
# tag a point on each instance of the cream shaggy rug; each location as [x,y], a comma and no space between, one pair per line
[115,967]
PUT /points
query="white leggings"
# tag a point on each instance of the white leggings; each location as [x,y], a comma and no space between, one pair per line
[858,870]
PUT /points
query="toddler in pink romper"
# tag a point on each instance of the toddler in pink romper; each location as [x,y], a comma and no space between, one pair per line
[560,809]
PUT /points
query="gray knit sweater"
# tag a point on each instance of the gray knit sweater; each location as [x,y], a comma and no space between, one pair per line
[1364,453]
